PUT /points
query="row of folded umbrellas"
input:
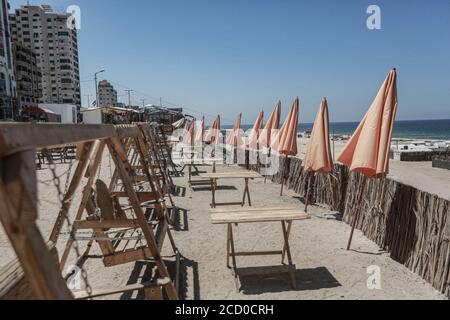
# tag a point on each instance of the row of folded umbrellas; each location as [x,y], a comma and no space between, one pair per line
[367,151]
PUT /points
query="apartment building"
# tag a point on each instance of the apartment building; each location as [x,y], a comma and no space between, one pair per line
[107,95]
[55,44]
[8,93]
[28,77]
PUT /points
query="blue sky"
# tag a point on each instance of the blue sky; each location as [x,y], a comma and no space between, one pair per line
[225,57]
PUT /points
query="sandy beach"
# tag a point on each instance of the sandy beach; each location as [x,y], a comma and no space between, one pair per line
[325,270]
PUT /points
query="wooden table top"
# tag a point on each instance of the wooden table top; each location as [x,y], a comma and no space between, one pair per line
[232,175]
[253,214]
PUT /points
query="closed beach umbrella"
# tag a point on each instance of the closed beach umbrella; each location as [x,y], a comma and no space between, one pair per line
[201,132]
[273,123]
[212,137]
[318,153]
[234,139]
[190,133]
[255,133]
[368,149]
[285,142]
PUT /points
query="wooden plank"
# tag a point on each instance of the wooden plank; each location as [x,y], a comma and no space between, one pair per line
[268,270]
[257,209]
[129,255]
[97,293]
[18,214]
[16,137]
[231,175]
[13,283]
[104,224]
[257,253]
[249,217]
[143,196]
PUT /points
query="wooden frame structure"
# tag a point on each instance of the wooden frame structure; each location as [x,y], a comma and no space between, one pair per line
[19,209]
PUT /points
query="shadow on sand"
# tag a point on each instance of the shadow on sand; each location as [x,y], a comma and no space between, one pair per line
[306,279]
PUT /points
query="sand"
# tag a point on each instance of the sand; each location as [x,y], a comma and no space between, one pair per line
[324,269]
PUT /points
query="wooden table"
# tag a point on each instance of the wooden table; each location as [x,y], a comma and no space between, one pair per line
[246,175]
[285,215]
[195,163]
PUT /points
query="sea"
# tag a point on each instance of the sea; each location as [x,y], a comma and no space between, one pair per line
[414,129]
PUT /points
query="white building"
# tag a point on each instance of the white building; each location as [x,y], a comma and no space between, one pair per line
[8,93]
[68,112]
[56,46]
[107,95]
[92,116]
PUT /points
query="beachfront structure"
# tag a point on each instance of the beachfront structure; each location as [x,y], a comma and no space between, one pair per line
[67,112]
[163,115]
[8,93]
[47,33]
[107,95]
[112,115]
[28,77]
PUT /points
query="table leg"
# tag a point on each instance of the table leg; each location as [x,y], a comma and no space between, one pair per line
[245,194]
[190,175]
[213,190]
[289,256]
[288,234]
[228,245]
[248,192]
[233,258]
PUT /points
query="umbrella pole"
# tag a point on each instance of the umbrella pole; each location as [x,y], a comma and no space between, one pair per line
[269,154]
[285,169]
[310,177]
[362,186]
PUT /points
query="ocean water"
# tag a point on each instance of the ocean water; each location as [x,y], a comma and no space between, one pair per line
[416,129]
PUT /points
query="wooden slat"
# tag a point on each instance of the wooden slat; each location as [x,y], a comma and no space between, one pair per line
[231,175]
[82,295]
[105,224]
[252,216]
[18,214]
[269,270]
[129,255]
[16,137]
[258,209]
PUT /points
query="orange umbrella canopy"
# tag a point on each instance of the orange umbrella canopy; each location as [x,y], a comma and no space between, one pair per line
[201,132]
[190,133]
[368,149]
[318,154]
[286,141]
[234,139]
[255,133]
[273,123]
[213,135]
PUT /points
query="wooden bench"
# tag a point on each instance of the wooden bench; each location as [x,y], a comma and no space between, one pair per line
[285,215]
[246,175]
